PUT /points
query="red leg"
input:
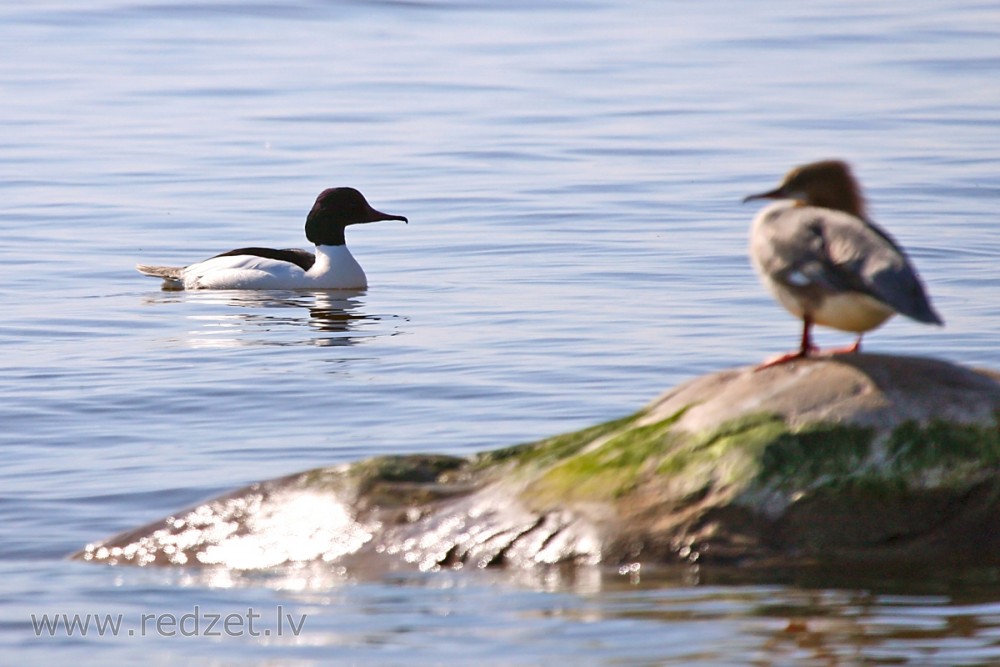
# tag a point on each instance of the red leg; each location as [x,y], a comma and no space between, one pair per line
[806,347]
[850,349]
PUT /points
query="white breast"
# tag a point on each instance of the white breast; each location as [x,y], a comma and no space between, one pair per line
[336,268]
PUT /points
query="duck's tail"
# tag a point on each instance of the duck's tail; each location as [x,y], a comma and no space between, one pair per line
[173,276]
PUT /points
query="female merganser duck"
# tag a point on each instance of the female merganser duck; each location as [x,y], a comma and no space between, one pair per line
[331,267]
[827,263]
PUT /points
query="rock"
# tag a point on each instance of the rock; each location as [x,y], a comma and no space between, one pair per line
[861,458]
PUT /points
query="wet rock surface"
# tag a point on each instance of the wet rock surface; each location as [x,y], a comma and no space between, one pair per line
[851,458]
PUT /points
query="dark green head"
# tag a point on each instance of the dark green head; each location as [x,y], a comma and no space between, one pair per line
[335,209]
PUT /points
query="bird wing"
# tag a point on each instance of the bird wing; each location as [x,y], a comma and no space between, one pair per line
[301,258]
[858,256]
[801,257]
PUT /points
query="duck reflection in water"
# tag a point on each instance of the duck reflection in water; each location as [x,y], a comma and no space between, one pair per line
[251,319]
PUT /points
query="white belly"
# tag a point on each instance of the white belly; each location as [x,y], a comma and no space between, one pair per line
[851,311]
[847,311]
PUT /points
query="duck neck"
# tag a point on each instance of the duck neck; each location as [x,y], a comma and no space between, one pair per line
[321,232]
[333,254]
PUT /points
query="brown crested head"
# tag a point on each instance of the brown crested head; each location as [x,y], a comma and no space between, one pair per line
[826,184]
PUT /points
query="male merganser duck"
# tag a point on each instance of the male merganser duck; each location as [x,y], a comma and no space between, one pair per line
[331,267]
[827,263]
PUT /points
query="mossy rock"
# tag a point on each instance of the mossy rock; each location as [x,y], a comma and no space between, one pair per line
[858,457]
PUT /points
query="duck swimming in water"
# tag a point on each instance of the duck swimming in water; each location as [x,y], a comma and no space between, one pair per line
[331,266]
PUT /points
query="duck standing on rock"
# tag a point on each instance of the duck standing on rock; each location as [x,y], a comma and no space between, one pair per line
[827,263]
[331,267]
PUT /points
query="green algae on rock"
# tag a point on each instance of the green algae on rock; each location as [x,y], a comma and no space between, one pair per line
[855,457]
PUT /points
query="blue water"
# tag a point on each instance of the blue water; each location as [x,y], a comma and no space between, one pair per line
[572,174]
